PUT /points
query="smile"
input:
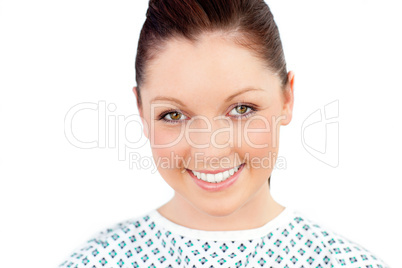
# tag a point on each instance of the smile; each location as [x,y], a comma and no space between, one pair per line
[210,176]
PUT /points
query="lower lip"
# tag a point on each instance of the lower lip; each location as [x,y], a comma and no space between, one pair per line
[213,187]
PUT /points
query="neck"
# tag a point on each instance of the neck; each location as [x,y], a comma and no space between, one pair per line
[260,209]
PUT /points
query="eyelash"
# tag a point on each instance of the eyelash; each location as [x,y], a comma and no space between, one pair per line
[252,107]
[164,114]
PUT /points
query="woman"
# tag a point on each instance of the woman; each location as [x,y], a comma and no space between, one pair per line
[213,91]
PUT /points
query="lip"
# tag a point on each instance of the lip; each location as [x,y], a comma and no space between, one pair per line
[214,187]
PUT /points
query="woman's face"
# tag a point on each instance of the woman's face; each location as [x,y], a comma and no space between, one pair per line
[209,108]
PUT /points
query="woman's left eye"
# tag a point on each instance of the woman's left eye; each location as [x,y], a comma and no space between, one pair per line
[241,110]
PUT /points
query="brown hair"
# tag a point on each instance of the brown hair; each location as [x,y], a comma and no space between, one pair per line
[249,23]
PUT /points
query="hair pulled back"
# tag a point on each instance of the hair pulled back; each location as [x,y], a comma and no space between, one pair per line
[250,23]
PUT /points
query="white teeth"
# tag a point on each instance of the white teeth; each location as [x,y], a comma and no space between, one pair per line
[210,177]
[218,177]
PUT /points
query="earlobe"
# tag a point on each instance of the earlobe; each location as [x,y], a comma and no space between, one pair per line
[145,127]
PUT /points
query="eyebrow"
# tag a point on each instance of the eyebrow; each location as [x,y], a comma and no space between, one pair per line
[169,99]
[242,91]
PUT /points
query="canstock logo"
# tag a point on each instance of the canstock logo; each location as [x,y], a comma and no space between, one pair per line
[325,119]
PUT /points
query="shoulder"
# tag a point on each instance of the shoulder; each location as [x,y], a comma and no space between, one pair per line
[113,246]
[339,251]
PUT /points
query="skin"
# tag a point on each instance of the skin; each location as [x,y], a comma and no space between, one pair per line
[202,76]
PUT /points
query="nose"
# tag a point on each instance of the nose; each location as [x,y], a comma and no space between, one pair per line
[211,140]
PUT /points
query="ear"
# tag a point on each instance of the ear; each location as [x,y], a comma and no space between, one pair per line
[288,99]
[136,98]
[144,122]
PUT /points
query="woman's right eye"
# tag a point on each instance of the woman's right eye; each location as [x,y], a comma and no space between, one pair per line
[173,117]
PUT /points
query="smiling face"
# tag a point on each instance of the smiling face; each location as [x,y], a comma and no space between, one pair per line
[214,108]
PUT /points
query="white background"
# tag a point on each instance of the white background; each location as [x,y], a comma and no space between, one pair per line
[57,54]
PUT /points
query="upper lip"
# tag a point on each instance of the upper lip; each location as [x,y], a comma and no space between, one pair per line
[214,171]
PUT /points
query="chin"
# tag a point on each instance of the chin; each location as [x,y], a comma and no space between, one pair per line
[219,209]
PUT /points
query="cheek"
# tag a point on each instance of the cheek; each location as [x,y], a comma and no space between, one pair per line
[169,150]
[166,136]
[260,140]
[261,134]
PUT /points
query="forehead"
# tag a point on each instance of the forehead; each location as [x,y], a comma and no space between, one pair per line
[214,64]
